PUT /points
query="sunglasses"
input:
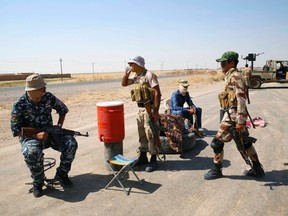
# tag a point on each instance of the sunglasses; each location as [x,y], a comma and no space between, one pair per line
[224,63]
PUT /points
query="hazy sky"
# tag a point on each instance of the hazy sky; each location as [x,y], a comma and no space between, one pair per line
[169,34]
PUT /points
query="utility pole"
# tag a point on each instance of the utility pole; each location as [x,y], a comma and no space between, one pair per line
[93,69]
[61,69]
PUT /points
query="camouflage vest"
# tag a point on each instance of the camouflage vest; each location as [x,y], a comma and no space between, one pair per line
[228,98]
[142,92]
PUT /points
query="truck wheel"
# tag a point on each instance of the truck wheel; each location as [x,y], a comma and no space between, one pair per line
[255,83]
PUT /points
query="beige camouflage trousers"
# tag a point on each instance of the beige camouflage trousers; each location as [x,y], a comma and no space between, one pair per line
[146,139]
[225,136]
[223,133]
[247,80]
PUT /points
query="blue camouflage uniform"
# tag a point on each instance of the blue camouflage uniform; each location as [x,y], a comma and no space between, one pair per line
[25,113]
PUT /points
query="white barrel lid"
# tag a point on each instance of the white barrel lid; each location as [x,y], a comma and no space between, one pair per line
[109,103]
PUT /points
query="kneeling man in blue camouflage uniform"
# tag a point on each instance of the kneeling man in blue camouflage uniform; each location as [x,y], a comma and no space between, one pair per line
[233,124]
[33,109]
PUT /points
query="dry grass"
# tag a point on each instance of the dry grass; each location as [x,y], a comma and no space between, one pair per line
[97,76]
[197,75]
[192,75]
[90,97]
[194,78]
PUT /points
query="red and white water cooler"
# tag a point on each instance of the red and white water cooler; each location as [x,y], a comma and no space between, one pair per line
[111,128]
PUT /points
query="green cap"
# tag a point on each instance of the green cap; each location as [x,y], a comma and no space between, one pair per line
[184,83]
[228,56]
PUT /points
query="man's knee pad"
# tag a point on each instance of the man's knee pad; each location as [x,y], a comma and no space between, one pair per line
[217,145]
[248,141]
[247,145]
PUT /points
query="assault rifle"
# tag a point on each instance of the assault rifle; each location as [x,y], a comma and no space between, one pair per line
[27,131]
[196,128]
[238,139]
[154,128]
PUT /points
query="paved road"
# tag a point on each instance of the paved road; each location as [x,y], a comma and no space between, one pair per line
[178,187]
[59,88]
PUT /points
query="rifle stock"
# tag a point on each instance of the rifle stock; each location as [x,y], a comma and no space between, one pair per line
[238,139]
[28,131]
[196,128]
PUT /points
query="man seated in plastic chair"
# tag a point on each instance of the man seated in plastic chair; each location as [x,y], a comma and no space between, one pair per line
[34,109]
[127,165]
[177,101]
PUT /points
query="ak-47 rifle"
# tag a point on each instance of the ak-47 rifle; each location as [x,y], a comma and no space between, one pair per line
[154,128]
[238,139]
[196,128]
[27,131]
[248,101]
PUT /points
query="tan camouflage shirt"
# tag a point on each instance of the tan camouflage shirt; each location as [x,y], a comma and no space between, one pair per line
[234,81]
[246,72]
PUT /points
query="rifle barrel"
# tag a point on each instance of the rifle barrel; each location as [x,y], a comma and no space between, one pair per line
[27,131]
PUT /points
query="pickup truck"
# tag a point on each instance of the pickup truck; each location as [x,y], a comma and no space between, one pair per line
[272,71]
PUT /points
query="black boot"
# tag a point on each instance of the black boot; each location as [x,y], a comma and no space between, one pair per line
[152,166]
[214,173]
[63,179]
[142,160]
[257,170]
[37,190]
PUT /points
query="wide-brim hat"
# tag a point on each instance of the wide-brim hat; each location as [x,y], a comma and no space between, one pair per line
[137,60]
[34,82]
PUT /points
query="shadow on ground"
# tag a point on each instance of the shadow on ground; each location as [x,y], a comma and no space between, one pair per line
[190,160]
[271,87]
[90,183]
[273,178]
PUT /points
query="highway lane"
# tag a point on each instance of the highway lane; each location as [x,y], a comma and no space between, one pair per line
[9,94]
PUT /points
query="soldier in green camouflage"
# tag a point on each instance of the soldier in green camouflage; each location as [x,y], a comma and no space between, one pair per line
[233,100]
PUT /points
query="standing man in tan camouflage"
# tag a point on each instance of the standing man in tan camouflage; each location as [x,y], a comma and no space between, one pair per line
[233,101]
[247,75]
[146,90]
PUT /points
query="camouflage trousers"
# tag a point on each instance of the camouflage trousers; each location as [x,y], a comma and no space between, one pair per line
[146,139]
[225,136]
[32,150]
[247,80]
[223,133]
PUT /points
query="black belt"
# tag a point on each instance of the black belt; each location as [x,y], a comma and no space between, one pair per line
[141,105]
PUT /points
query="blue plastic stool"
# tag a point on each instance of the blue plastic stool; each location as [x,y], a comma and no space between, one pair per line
[127,165]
